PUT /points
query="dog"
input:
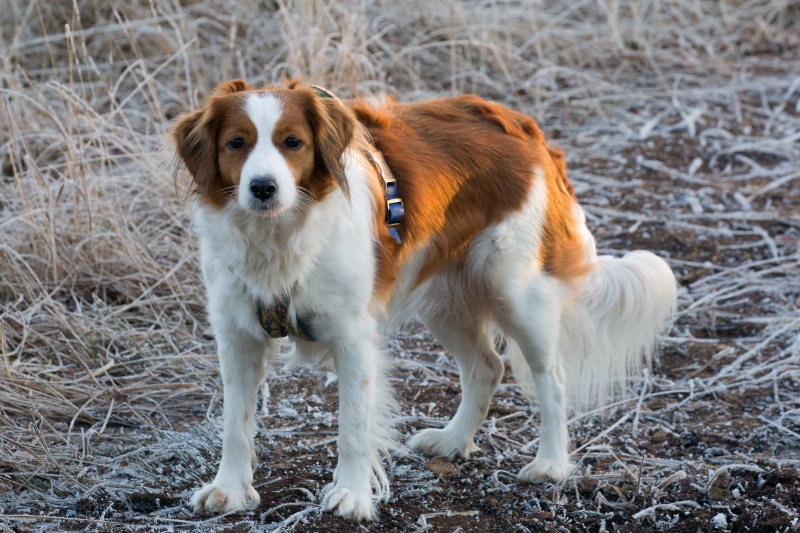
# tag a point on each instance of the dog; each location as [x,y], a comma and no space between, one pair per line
[330,222]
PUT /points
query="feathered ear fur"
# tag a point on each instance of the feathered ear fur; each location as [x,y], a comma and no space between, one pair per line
[195,136]
[196,146]
[334,128]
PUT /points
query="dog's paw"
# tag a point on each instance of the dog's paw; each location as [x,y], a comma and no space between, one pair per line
[442,443]
[216,498]
[540,470]
[347,503]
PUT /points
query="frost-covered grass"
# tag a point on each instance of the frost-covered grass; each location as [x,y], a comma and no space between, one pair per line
[681,122]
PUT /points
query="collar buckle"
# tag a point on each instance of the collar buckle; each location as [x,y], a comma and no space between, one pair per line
[394,211]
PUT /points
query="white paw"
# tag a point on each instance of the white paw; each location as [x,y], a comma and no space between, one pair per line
[540,470]
[216,498]
[347,503]
[442,443]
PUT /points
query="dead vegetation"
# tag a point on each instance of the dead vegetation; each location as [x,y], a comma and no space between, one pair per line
[681,121]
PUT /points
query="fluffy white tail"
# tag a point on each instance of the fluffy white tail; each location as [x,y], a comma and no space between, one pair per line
[608,332]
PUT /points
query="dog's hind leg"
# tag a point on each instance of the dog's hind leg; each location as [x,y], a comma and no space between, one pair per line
[480,370]
[530,315]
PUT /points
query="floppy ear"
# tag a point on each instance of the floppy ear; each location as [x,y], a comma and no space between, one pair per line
[334,127]
[196,145]
[195,137]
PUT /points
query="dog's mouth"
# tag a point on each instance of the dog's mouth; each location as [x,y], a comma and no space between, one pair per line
[268,208]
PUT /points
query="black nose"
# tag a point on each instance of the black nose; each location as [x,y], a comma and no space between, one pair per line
[263,188]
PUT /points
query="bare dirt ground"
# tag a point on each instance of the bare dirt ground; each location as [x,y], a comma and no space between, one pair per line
[681,124]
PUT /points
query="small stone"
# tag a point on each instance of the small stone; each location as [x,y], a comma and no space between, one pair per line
[658,436]
[441,466]
[717,493]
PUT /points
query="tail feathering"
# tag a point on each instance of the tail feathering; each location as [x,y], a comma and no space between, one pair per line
[609,331]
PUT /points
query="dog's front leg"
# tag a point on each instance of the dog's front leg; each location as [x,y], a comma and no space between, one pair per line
[241,359]
[363,428]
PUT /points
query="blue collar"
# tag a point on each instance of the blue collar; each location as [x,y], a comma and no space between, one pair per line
[394,205]
[324,93]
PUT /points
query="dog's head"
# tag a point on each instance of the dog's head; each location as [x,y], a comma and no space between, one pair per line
[265,149]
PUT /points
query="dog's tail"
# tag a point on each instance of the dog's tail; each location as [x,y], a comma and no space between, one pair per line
[608,330]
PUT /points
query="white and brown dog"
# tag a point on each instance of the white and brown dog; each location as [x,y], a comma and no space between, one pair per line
[292,219]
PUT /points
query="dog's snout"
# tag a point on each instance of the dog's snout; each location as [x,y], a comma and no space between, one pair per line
[264,188]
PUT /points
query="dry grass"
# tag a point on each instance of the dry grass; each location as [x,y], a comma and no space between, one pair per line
[681,120]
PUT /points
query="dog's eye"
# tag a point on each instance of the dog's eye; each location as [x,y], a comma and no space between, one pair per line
[237,143]
[292,143]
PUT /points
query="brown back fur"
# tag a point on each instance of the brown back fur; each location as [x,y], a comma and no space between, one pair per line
[463,164]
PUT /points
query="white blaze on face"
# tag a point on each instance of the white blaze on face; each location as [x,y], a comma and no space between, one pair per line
[265,160]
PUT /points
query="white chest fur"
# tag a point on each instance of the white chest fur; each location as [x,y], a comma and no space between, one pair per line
[322,253]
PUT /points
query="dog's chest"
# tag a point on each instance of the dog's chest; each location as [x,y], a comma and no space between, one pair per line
[275,264]
[267,259]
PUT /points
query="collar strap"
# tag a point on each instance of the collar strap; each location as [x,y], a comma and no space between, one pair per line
[394,205]
[323,93]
